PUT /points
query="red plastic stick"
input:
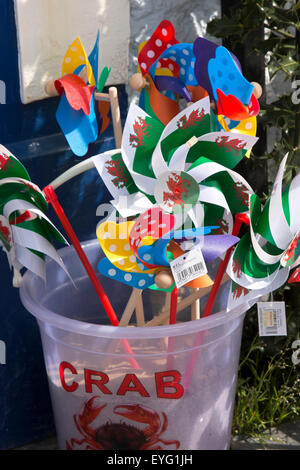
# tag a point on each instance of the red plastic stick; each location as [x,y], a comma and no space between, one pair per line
[52,198]
[173,306]
[239,219]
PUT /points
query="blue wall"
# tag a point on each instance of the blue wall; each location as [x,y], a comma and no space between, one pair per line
[32,134]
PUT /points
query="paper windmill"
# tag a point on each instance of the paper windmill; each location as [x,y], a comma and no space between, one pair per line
[174,70]
[137,251]
[185,168]
[26,233]
[77,114]
[263,258]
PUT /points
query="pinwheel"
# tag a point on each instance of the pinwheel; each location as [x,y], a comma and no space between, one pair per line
[26,233]
[185,168]
[77,114]
[263,258]
[137,251]
[173,70]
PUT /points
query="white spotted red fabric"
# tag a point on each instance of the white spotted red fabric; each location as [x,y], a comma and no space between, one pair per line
[162,38]
[155,223]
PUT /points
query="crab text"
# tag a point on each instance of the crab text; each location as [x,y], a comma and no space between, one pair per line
[167,383]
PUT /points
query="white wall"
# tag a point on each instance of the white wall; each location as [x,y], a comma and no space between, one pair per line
[47,27]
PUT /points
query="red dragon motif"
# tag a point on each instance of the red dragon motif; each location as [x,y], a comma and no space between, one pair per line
[117,169]
[223,227]
[239,291]
[234,144]
[290,252]
[177,186]
[195,117]
[4,161]
[120,436]
[241,192]
[140,131]
[4,231]
[237,268]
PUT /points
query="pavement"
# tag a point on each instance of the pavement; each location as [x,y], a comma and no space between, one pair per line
[285,437]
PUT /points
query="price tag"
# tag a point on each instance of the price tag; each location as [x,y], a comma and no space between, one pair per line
[271,318]
[188,267]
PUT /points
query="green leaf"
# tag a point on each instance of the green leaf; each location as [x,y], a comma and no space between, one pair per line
[102,79]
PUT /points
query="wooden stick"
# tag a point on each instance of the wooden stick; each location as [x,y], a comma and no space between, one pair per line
[186,302]
[139,312]
[101,96]
[195,309]
[116,115]
[130,307]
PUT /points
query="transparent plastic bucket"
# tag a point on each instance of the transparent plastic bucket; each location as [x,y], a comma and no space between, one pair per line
[165,387]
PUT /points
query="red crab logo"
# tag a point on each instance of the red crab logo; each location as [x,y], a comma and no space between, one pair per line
[4,161]
[177,186]
[234,144]
[195,117]
[116,169]
[120,436]
[140,131]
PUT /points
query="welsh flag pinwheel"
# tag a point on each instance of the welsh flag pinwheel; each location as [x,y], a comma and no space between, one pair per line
[26,233]
[263,258]
[186,168]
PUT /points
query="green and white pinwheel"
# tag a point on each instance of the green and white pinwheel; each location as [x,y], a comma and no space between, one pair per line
[26,233]
[264,256]
[185,167]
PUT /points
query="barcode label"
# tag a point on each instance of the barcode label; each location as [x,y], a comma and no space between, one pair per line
[271,318]
[188,267]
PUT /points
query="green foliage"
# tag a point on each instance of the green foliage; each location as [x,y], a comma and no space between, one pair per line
[268,381]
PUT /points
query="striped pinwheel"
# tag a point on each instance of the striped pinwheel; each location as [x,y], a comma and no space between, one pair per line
[186,168]
[26,233]
[264,256]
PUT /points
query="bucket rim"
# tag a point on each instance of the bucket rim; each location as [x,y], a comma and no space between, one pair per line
[54,319]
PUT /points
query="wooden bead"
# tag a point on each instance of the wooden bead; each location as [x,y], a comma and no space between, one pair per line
[164,279]
[50,88]
[257,89]
[137,81]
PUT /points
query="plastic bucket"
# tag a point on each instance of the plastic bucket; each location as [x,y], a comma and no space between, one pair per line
[166,387]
